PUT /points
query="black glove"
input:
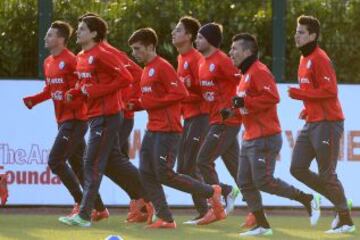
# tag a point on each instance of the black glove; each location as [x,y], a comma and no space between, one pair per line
[238,102]
[226,113]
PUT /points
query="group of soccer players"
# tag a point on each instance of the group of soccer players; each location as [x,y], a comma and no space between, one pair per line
[213,94]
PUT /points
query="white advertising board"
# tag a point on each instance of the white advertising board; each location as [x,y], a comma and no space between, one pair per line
[26,137]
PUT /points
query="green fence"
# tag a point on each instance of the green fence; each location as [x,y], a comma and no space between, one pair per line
[23,24]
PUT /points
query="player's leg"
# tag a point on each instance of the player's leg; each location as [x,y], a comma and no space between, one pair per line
[209,151]
[69,137]
[230,152]
[151,183]
[194,130]
[263,160]
[103,132]
[326,138]
[76,161]
[127,128]
[123,173]
[251,194]
[164,155]
[302,156]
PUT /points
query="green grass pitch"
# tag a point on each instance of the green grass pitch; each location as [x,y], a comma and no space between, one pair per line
[47,227]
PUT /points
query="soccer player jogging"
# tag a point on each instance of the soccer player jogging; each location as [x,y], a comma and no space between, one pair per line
[194,108]
[218,80]
[130,174]
[128,178]
[321,134]
[257,97]
[69,144]
[161,95]
[101,78]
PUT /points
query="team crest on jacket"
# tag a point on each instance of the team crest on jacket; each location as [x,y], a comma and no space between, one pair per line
[61,65]
[186,65]
[212,67]
[90,59]
[308,64]
[151,72]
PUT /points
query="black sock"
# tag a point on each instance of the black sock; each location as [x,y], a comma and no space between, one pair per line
[345,218]
[261,219]
[305,199]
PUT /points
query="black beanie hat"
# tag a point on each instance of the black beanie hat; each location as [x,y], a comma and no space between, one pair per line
[212,33]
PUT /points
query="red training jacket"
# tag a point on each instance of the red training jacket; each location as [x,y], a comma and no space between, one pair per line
[218,80]
[318,88]
[133,90]
[162,93]
[188,72]
[261,96]
[60,76]
[102,76]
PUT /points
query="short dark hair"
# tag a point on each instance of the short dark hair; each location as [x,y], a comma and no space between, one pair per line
[63,29]
[312,24]
[146,36]
[191,26]
[248,42]
[88,14]
[96,24]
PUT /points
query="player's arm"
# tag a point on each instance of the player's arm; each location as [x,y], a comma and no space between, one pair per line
[264,84]
[73,97]
[134,69]
[120,75]
[136,72]
[194,92]
[268,96]
[44,95]
[135,105]
[175,91]
[192,97]
[325,77]
[231,74]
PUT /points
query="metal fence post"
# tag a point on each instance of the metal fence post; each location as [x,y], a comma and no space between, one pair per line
[279,39]
[45,16]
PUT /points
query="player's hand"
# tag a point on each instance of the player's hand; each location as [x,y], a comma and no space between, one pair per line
[238,102]
[291,91]
[28,103]
[226,113]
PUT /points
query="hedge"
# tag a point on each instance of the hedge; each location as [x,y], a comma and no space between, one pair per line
[339,26]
